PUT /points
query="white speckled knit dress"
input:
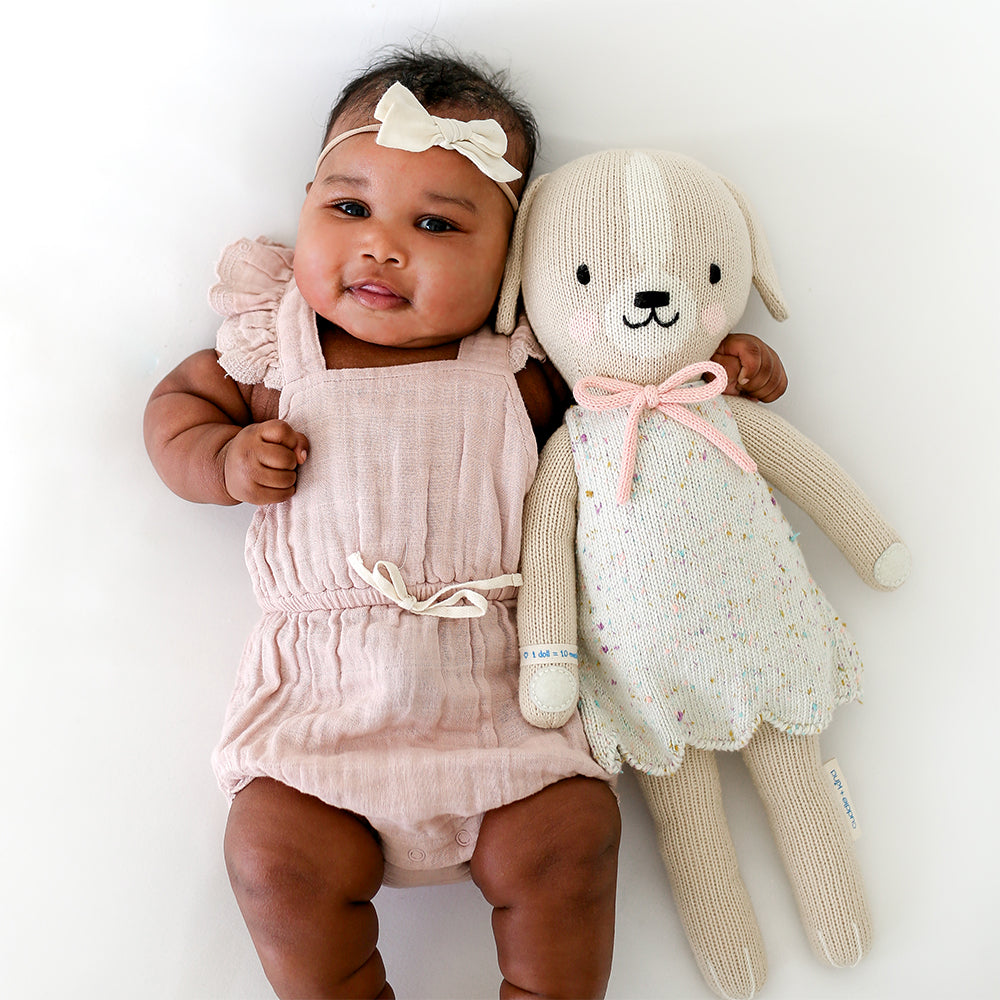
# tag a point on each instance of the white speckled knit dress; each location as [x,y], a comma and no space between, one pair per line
[409,720]
[697,615]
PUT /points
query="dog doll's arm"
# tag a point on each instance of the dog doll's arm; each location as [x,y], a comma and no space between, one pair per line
[546,604]
[809,477]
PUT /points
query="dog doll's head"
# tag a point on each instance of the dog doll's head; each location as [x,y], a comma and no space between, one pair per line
[633,264]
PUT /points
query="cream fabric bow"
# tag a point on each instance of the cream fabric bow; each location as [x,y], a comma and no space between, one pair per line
[386,578]
[406,124]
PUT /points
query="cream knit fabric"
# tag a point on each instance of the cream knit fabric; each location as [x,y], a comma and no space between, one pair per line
[809,477]
[547,603]
[815,845]
[700,626]
[698,852]
[696,612]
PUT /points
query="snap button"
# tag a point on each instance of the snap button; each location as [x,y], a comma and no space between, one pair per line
[415,854]
[464,838]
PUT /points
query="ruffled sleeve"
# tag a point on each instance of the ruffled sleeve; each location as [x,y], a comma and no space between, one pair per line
[523,345]
[253,278]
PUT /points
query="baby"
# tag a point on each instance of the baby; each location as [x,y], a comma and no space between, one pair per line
[388,437]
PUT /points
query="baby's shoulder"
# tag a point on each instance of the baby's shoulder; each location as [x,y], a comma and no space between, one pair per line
[254,276]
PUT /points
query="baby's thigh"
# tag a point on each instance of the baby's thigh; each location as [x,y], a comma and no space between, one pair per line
[545,842]
[281,840]
[304,874]
[548,864]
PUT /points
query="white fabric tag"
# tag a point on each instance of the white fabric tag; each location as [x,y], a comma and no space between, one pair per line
[548,654]
[841,795]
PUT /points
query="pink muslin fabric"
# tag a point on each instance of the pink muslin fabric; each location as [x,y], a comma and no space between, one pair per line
[410,721]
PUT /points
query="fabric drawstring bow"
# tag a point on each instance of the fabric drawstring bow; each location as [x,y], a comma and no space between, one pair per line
[601,394]
[386,578]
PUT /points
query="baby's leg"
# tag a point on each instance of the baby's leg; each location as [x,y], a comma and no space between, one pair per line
[549,866]
[815,845]
[712,900]
[304,875]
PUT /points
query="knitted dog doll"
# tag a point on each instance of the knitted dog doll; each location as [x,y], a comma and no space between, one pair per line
[653,539]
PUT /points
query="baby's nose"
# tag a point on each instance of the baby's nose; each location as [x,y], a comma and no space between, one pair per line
[384,256]
[382,247]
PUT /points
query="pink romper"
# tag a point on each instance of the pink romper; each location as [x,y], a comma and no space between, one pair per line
[406,719]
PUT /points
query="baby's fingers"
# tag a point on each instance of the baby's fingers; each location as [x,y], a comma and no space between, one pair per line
[275,456]
[754,369]
[281,434]
[261,462]
[733,368]
[768,382]
[259,484]
[276,477]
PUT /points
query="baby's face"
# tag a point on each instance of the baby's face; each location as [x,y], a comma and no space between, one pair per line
[401,249]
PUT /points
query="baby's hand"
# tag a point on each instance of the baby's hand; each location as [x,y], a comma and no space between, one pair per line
[261,462]
[754,369]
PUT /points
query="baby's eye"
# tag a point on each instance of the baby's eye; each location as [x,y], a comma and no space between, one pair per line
[433,224]
[353,208]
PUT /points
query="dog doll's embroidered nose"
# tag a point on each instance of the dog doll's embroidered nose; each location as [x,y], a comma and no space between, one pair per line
[651,300]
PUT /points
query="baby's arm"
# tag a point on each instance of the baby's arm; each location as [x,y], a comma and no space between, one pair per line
[754,369]
[546,397]
[208,443]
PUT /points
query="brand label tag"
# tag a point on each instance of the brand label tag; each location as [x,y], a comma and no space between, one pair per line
[841,795]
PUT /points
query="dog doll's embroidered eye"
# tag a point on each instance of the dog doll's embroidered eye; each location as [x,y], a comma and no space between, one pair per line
[714,274]
[583,274]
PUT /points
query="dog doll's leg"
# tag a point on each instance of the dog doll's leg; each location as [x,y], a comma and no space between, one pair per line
[698,851]
[815,846]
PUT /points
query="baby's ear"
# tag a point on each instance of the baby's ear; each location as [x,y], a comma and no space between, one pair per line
[510,287]
[765,277]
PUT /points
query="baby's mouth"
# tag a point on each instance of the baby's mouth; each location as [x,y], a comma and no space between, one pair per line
[375,295]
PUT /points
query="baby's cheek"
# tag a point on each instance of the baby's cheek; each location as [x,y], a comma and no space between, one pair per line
[713,319]
[582,327]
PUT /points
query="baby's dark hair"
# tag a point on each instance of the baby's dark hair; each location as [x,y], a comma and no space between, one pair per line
[440,79]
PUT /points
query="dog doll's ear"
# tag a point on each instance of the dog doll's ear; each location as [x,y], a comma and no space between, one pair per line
[510,287]
[765,277]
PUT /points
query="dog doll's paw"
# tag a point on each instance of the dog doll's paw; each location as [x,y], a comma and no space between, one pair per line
[893,566]
[553,689]
[549,694]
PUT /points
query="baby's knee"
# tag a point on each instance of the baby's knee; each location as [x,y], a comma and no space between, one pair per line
[266,873]
[585,825]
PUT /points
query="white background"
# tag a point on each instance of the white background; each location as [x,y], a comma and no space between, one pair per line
[137,143]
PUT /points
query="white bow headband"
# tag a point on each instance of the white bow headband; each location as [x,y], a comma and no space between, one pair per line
[407,125]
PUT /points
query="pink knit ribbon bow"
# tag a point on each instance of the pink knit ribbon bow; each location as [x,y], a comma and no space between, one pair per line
[669,398]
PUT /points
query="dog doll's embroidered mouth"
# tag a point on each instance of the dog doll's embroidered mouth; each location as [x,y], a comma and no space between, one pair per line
[650,318]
